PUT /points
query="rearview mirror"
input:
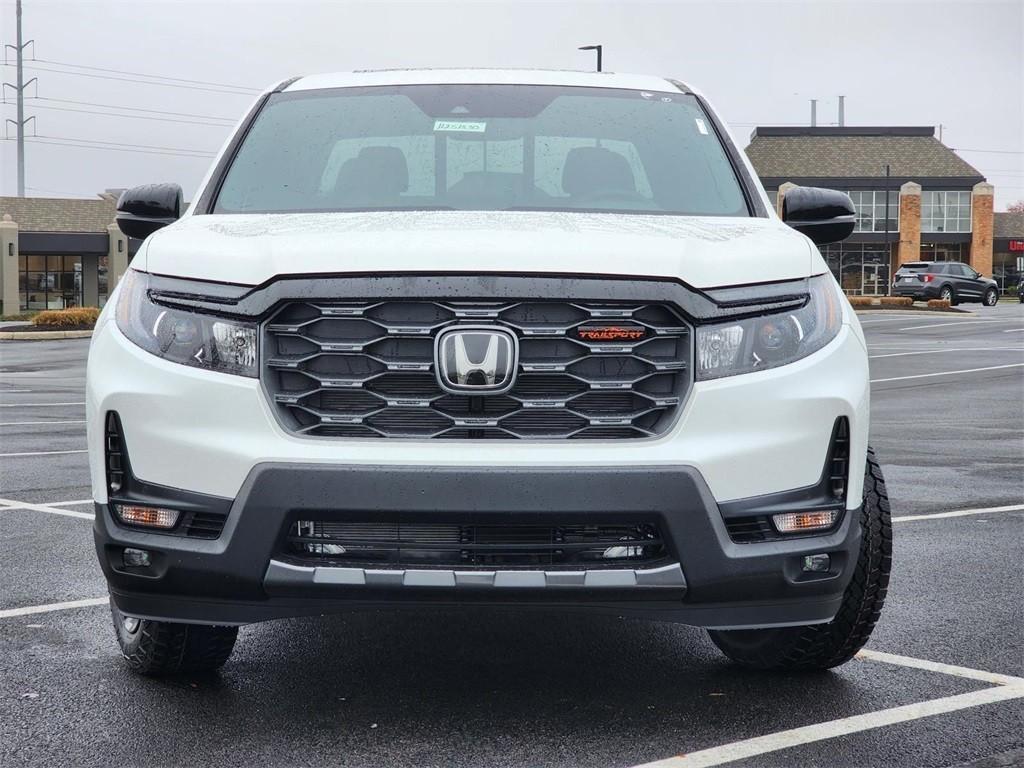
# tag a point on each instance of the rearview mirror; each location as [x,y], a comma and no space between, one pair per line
[143,210]
[824,215]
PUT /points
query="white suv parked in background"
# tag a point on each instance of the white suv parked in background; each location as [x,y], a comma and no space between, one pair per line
[523,338]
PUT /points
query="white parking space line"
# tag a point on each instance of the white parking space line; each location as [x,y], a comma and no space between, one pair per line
[893,319]
[935,666]
[37,423]
[955,322]
[67,503]
[10,505]
[954,349]
[795,737]
[32,609]
[40,453]
[1014,330]
[36,405]
[948,373]
[960,513]
[14,391]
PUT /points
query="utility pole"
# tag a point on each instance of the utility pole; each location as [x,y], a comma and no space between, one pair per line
[19,89]
[842,111]
[814,112]
[597,48]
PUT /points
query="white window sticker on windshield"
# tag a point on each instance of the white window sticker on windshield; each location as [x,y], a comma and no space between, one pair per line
[464,126]
[701,127]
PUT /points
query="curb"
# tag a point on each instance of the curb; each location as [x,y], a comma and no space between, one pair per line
[43,335]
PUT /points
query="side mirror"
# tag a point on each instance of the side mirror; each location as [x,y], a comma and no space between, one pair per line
[143,210]
[824,215]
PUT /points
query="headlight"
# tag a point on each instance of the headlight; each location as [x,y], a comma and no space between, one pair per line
[184,337]
[772,340]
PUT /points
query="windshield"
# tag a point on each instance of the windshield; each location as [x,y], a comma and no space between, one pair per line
[482,147]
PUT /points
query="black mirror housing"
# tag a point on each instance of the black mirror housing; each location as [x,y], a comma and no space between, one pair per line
[143,210]
[824,215]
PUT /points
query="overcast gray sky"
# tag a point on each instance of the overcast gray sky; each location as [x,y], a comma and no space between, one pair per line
[916,63]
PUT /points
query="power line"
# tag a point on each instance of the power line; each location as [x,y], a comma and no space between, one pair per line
[113,145]
[196,156]
[247,92]
[131,109]
[122,144]
[143,74]
[136,117]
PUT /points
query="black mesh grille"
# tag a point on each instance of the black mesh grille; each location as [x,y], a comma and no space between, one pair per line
[472,545]
[366,369]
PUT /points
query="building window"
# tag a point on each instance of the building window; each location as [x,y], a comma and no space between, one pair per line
[945,211]
[862,269]
[942,252]
[871,214]
[49,282]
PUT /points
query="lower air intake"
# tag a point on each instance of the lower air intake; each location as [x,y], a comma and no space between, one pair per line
[467,546]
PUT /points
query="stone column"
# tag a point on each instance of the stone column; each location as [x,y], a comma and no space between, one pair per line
[982,221]
[10,303]
[783,189]
[90,281]
[910,223]
[117,256]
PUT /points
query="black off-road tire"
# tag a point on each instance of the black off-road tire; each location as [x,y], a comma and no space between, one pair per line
[822,646]
[159,648]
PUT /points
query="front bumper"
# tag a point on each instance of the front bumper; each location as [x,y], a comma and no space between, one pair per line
[241,577]
[211,435]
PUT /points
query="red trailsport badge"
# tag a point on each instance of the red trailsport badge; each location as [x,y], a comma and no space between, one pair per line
[611,332]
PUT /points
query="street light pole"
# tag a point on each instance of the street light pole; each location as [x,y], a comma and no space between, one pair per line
[888,249]
[597,48]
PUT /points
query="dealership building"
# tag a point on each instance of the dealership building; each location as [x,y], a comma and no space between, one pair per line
[932,206]
[59,253]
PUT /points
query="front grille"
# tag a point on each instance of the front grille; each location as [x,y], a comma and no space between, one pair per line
[460,545]
[366,369]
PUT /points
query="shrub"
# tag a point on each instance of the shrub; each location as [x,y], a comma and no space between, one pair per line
[861,301]
[897,301]
[938,303]
[67,318]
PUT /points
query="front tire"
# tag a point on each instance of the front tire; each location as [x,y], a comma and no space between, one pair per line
[822,646]
[159,648]
[991,297]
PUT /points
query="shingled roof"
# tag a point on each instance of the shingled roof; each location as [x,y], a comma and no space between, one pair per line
[1008,225]
[858,152]
[58,214]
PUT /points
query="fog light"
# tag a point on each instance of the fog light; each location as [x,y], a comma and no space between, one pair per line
[796,522]
[136,558]
[817,563]
[150,517]
[620,553]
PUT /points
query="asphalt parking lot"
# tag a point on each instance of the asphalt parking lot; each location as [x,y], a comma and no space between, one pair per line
[941,684]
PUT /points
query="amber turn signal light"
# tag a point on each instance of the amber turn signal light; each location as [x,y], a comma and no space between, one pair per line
[149,517]
[797,522]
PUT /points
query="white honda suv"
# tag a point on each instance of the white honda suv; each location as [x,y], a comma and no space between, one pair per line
[468,338]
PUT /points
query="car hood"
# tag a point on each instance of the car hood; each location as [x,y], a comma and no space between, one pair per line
[704,252]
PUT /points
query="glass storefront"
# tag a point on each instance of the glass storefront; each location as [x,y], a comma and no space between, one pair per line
[943,252]
[1008,271]
[50,282]
[862,269]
